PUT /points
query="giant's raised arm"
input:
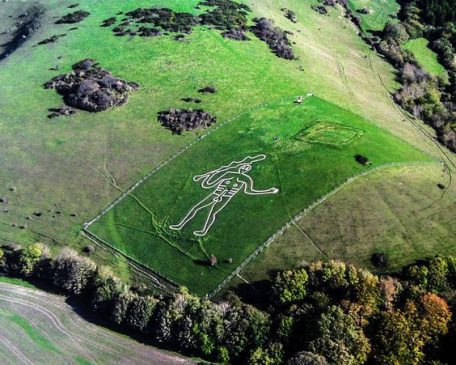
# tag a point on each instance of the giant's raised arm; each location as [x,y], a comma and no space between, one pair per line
[208,181]
[208,176]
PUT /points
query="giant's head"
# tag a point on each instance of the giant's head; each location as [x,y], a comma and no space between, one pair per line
[245,168]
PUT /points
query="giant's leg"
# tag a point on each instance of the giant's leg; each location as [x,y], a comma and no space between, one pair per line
[215,209]
[191,214]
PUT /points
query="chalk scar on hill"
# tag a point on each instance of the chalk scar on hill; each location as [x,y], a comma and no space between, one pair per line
[226,182]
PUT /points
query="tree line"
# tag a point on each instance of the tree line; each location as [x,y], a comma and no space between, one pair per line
[438,12]
[327,313]
[425,96]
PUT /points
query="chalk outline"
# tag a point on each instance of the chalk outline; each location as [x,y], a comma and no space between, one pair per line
[285,100]
[306,135]
[221,191]
[280,101]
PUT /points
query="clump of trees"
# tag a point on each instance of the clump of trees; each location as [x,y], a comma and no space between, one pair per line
[426,97]
[228,16]
[90,87]
[227,331]
[327,313]
[437,12]
[74,17]
[274,37]
[334,313]
[180,120]
[225,14]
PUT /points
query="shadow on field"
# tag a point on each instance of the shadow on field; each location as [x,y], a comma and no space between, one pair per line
[82,307]
[27,23]
[258,293]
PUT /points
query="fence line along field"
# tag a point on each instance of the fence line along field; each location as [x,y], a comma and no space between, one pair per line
[269,164]
[377,213]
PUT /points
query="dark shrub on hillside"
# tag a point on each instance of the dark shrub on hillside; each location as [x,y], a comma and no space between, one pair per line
[290,15]
[320,9]
[380,260]
[52,39]
[108,22]
[441,186]
[72,18]
[179,120]
[364,11]
[91,88]
[235,34]
[164,18]
[89,249]
[208,90]
[274,37]
[332,2]
[363,160]
[226,14]
[72,273]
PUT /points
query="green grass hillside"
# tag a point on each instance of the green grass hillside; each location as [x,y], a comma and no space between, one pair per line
[426,57]
[302,161]
[399,211]
[379,12]
[70,168]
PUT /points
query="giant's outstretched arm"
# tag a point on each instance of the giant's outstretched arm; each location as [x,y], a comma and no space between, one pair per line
[233,165]
[250,190]
[210,174]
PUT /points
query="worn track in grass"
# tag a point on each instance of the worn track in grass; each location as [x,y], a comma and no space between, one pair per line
[51,332]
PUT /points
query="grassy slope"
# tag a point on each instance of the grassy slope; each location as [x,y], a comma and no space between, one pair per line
[38,339]
[381,12]
[426,57]
[41,328]
[16,281]
[61,164]
[417,227]
[400,211]
[302,171]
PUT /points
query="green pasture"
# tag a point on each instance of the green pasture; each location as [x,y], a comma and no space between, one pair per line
[33,333]
[398,210]
[303,171]
[381,11]
[426,57]
[329,133]
[16,281]
[69,164]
